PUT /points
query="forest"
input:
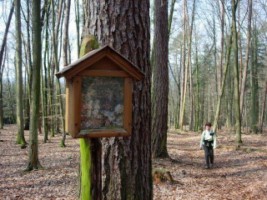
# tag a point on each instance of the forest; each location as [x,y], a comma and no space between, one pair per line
[202,61]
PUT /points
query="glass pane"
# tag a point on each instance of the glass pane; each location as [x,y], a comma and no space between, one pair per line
[102,103]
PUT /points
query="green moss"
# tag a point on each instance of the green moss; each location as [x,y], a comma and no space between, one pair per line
[85,169]
[89,43]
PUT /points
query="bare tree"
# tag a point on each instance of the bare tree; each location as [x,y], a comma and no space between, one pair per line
[236,75]
[160,89]
[19,82]
[3,46]
[35,87]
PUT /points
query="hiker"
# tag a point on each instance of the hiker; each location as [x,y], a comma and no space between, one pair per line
[208,143]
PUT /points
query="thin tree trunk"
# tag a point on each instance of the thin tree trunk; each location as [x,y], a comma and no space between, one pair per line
[65,58]
[35,98]
[225,72]
[77,23]
[236,75]
[197,113]
[127,161]
[254,84]
[1,64]
[29,69]
[19,82]
[171,16]
[184,70]
[244,77]
[191,89]
[222,45]
[160,89]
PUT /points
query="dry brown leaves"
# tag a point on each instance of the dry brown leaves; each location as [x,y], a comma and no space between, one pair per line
[238,174]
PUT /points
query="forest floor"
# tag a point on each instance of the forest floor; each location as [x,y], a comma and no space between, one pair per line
[237,174]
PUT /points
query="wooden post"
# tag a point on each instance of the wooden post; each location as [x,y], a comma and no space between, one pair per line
[90,149]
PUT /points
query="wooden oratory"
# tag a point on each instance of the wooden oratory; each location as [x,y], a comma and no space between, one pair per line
[99,89]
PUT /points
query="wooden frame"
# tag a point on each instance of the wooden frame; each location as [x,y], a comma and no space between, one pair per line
[73,111]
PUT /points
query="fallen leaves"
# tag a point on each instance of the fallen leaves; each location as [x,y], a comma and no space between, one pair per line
[237,174]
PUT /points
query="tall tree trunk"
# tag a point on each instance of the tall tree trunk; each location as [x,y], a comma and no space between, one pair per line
[236,75]
[197,124]
[254,114]
[45,86]
[184,68]
[35,95]
[191,89]
[225,72]
[65,57]
[77,23]
[127,161]
[1,64]
[244,77]
[19,83]
[160,89]
[29,67]
[171,17]
[222,44]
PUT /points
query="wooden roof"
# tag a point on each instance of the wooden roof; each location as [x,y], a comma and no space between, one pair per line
[97,55]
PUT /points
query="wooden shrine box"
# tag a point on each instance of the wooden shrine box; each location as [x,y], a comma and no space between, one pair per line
[99,89]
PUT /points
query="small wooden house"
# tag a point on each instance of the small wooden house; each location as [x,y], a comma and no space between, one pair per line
[99,90]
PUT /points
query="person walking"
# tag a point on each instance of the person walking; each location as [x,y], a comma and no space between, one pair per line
[208,143]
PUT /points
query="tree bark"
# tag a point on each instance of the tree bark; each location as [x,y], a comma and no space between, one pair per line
[160,89]
[189,63]
[19,82]
[124,25]
[244,77]
[236,75]
[65,57]
[1,64]
[225,72]
[28,69]
[254,112]
[222,44]
[184,75]
[35,95]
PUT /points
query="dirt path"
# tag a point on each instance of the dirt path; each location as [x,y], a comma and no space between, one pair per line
[238,174]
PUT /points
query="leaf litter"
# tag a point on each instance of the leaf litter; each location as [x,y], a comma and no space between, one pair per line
[237,174]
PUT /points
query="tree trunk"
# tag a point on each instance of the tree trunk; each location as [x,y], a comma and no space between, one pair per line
[19,82]
[254,85]
[77,23]
[2,66]
[127,161]
[197,124]
[171,17]
[263,109]
[222,45]
[225,72]
[160,89]
[191,89]
[236,75]
[35,95]
[244,77]
[184,68]
[29,71]
[65,57]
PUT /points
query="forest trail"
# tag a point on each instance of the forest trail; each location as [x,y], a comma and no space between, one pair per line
[237,174]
